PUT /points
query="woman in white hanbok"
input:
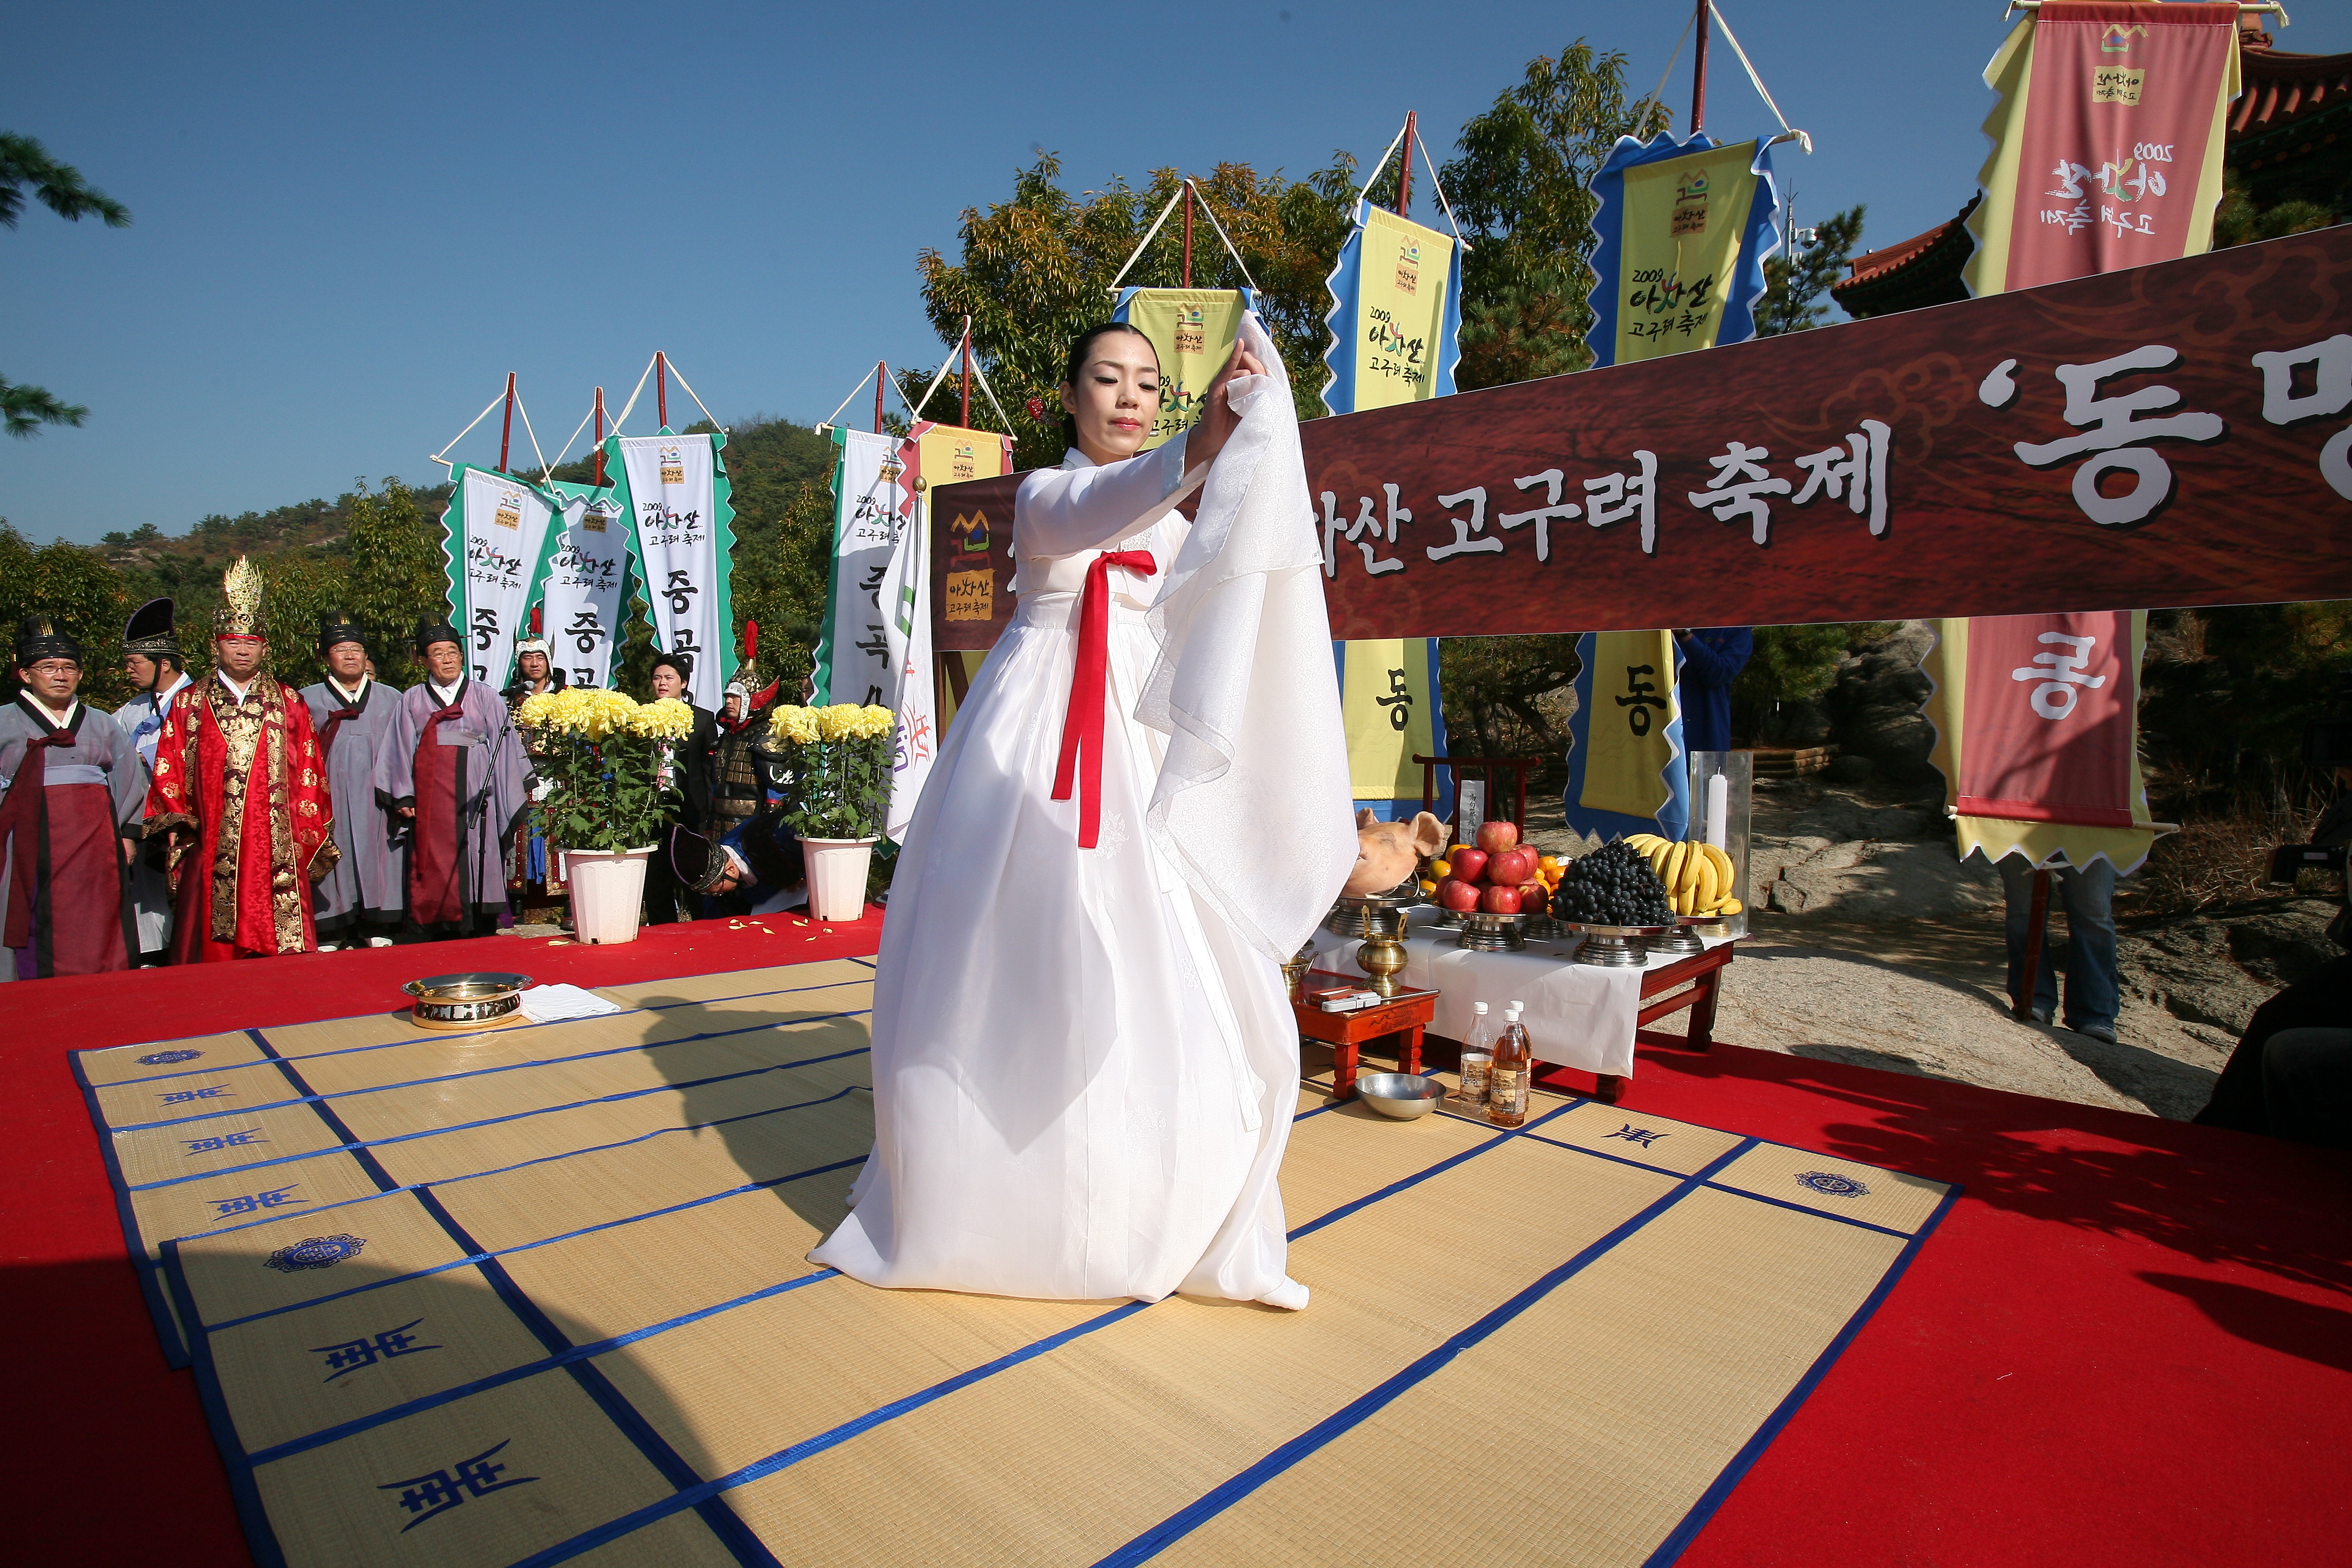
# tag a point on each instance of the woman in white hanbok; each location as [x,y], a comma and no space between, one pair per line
[1085,1060]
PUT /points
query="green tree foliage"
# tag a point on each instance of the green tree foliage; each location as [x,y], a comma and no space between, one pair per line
[302,585]
[1034,272]
[397,574]
[1794,284]
[2241,219]
[26,164]
[2228,694]
[1789,666]
[1520,186]
[1500,695]
[73,583]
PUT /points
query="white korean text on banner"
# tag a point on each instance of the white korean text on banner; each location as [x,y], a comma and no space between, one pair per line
[853,657]
[496,528]
[674,488]
[584,581]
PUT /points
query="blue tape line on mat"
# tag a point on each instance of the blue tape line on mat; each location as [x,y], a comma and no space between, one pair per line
[1735,1192]
[358,1145]
[529,1369]
[335,1434]
[534,1245]
[144,1267]
[785,1458]
[440,1181]
[1682,1535]
[1344,1210]
[1182,1522]
[259,1538]
[722,1519]
[485,1072]
[413,1038]
[343,1136]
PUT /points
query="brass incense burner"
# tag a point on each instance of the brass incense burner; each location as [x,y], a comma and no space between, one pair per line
[463,1002]
[1382,955]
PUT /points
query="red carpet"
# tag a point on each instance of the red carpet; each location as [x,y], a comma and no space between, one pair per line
[2130,1341]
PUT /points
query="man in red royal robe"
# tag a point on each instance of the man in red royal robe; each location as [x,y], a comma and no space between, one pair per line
[240,789]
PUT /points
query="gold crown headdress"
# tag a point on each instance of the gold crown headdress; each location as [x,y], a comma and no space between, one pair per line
[241,615]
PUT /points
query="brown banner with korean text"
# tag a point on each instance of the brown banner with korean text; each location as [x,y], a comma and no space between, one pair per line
[2172,435]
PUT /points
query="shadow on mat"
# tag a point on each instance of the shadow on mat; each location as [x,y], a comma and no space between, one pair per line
[779,1144]
[2300,1328]
[2214,1195]
[568,1426]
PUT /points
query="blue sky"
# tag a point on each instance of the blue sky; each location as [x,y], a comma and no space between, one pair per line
[351,222]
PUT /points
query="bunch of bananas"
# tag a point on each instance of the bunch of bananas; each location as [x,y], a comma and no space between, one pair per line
[1698,877]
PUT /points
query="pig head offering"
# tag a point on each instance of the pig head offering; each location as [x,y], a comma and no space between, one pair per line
[1387,852]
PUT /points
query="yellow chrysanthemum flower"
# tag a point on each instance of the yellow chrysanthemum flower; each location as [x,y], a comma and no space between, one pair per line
[664,719]
[874,720]
[792,723]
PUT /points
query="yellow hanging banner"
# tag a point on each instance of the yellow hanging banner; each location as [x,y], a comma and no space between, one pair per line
[1684,221]
[1400,310]
[1386,703]
[1634,726]
[1194,331]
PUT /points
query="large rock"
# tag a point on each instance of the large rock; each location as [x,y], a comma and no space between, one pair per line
[2216,971]
[1873,704]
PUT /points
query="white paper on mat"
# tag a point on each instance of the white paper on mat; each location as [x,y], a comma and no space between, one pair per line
[554,1004]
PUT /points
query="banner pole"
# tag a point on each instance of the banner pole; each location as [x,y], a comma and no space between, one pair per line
[598,482]
[881,378]
[1698,74]
[1404,170]
[661,388]
[506,430]
[1188,233]
[967,373]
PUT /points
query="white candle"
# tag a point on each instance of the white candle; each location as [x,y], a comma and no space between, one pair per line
[1718,809]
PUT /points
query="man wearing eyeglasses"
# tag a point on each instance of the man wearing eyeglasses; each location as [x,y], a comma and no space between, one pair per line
[75,794]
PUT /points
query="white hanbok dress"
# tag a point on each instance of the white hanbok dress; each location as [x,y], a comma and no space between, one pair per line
[1085,1060]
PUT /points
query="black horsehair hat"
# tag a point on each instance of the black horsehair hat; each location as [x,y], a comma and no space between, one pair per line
[337,626]
[150,631]
[431,629]
[699,862]
[38,637]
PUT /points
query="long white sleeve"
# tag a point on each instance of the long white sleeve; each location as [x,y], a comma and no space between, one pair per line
[1063,512]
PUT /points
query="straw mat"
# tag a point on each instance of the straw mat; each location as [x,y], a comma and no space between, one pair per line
[602,1341]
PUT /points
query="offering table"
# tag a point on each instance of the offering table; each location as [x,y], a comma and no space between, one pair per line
[1578,1016]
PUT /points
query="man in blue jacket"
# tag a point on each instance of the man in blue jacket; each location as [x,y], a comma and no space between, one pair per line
[1713,658]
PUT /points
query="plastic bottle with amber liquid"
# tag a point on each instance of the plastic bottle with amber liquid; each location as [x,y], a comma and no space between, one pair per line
[1478,1057]
[1508,1078]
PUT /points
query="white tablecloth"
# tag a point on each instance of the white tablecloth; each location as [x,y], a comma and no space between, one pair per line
[1578,1014]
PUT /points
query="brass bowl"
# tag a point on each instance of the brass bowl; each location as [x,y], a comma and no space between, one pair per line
[466,1001]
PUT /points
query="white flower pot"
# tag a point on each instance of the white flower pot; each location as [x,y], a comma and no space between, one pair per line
[608,892]
[836,875]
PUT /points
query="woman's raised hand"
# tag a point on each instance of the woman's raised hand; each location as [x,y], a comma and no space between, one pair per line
[1217,417]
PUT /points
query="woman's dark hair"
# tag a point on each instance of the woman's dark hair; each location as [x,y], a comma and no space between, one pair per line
[1080,347]
[681,662]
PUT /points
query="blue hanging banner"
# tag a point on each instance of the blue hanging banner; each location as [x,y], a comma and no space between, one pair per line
[1625,769]
[1685,227]
[1396,314]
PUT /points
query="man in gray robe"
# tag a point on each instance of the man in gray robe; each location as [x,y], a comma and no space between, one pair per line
[150,657]
[68,780]
[360,902]
[453,768]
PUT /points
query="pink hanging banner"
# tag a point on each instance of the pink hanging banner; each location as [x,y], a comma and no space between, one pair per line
[2048,718]
[2118,121]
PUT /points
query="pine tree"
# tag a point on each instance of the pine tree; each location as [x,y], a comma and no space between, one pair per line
[59,187]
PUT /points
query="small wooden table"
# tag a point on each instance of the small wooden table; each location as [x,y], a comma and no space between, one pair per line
[1404,1017]
[1702,974]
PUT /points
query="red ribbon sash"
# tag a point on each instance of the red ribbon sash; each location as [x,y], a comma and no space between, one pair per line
[20,823]
[335,722]
[435,890]
[1082,726]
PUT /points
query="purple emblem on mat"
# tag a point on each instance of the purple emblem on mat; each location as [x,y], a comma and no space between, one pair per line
[1829,1185]
[314,1252]
[165,1058]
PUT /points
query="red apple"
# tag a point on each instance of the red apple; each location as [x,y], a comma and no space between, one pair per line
[1469,864]
[1511,867]
[1500,901]
[1496,836]
[1457,895]
[1534,898]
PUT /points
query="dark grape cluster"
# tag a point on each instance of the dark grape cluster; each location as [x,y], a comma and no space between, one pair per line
[1612,887]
